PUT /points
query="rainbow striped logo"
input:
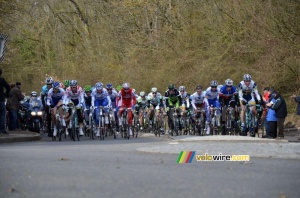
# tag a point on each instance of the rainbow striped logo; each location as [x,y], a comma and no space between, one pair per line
[186,157]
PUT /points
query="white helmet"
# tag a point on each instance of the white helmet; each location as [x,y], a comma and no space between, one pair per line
[142,93]
[247,77]
[213,83]
[126,85]
[228,82]
[154,89]
[49,80]
[181,88]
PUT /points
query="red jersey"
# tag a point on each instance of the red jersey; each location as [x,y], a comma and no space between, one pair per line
[126,99]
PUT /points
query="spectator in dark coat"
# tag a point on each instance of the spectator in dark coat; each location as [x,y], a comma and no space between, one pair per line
[297,99]
[13,103]
[3,95]
[280,110]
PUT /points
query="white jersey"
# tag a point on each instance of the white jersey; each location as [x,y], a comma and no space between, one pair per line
[197,99]
[74,95]
[141,102]
[248,90]
[55,95]
[211,95]
[154,100]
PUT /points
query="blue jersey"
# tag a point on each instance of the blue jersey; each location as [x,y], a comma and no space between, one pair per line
[101,99]
[44,90]
[224,93]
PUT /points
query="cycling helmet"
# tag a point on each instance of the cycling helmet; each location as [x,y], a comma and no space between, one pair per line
[56,85]
[247,77]
[33,94]
[49,80]
[228,82]
[181,88]
[199,87]
[213,83]
[99,85]
[171,86]
[67,83]
[87,88]
[119,87]
[73,83]
[154,89]
[126,85]
[109,86]
[142,94]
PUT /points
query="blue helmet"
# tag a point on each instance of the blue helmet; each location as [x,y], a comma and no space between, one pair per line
[109,86]
[56,85]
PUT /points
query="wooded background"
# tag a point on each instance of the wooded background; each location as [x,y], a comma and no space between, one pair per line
[153,42]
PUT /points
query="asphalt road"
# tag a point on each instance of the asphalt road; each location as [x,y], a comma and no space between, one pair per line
[114,168]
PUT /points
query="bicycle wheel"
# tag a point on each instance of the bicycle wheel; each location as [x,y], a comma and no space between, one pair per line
[92,125]
[101,127]
[176,127]
[73,129]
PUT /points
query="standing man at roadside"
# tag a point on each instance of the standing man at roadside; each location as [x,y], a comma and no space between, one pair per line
[3,84]
[297,99]
[280,110]
[13,103]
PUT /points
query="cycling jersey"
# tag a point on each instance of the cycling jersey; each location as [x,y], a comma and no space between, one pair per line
[55,96]
[246,92]
[87,101]
[155,100]
[197,99]
[185,99]
[74,95]
[226,95]
[101,99]
[113,96]
[211,96]
[173,99]
[142,102]
[126,99]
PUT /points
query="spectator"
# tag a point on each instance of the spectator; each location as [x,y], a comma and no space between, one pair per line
[265,110]
[280,110]
[13,103]
[272,123]
[3,95]
[297,99]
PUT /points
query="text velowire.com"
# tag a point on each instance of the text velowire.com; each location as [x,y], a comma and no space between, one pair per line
[189,156]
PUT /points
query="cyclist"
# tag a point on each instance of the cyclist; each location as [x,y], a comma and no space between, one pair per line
[113,94]
[74,93]
[198,100]
[87,104]
[126,99]
[212,101]
[228,97]
[100,97]
[141,106]
[185,101]
[246,89]
[172,100]
[55,100]
[44,94]
[155,101]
